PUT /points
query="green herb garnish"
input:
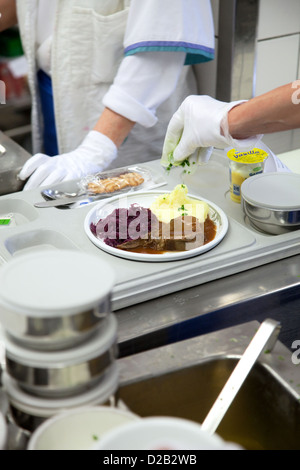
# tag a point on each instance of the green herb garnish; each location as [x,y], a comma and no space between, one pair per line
[185,162]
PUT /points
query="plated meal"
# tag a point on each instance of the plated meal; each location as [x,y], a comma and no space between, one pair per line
[156,226]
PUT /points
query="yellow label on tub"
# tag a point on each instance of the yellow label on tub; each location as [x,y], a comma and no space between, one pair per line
[236,180]
[255,155]
[242,166]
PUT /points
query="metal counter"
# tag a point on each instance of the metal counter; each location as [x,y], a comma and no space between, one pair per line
[268,291]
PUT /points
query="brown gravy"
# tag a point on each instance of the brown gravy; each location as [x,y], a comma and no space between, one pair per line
[210,231]
[146,250]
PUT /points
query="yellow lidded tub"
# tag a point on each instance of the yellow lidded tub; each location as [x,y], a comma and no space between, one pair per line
[243,165]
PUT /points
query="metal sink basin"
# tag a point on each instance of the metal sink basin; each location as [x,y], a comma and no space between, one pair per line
[185,378]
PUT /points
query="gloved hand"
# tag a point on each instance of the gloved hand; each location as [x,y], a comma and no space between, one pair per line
[200,124]
[94,154]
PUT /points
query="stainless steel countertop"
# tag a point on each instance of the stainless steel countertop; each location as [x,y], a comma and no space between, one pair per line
[271,290]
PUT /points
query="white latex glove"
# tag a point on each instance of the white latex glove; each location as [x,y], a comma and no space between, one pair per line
[94,154]
[197,126]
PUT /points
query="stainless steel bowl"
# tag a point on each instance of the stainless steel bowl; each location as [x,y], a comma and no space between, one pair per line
[271,221]
[56,333]
[271,201]
[63,373]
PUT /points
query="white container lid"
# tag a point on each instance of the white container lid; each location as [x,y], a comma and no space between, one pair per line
[56,283]
[278,191]
[46,407]
[98,344]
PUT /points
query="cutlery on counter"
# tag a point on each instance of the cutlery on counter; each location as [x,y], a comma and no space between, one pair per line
[56,201]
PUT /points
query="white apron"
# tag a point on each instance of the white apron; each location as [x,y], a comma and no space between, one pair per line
[88,45]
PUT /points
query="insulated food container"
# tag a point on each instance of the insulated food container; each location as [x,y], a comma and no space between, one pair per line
[29,411]
[66,372]
[54,299]
[271,201]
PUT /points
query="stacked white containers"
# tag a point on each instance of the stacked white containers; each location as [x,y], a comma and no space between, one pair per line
[59,334]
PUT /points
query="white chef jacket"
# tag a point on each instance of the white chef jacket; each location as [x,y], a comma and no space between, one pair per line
[171,32]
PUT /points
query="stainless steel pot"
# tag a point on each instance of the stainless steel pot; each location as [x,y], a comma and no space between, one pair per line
[63,373]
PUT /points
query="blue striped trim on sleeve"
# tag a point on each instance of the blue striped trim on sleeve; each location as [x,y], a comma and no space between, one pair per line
[195,53]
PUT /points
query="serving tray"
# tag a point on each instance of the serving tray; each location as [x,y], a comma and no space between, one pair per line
[243,247]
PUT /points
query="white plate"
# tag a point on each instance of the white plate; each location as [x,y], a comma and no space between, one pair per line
[145,199]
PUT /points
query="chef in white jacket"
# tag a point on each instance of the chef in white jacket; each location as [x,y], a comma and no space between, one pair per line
[105,78]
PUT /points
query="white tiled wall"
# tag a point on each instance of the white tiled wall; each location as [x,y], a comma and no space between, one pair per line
[278,18]
[277,51]
[276,62]
[278,44]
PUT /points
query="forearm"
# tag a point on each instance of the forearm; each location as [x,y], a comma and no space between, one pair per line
[143,83]
[135,96]
[114,126]
[8,14]
[275,111]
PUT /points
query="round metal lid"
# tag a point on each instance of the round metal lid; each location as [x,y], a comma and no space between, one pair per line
[54,283]
[278,191]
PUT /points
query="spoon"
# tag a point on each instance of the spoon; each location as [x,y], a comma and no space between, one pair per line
[263,340]
[56,194]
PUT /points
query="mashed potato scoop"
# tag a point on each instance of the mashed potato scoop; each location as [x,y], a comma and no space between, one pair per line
[177,203]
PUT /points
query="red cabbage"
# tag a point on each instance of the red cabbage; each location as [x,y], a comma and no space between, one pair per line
[124,225]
